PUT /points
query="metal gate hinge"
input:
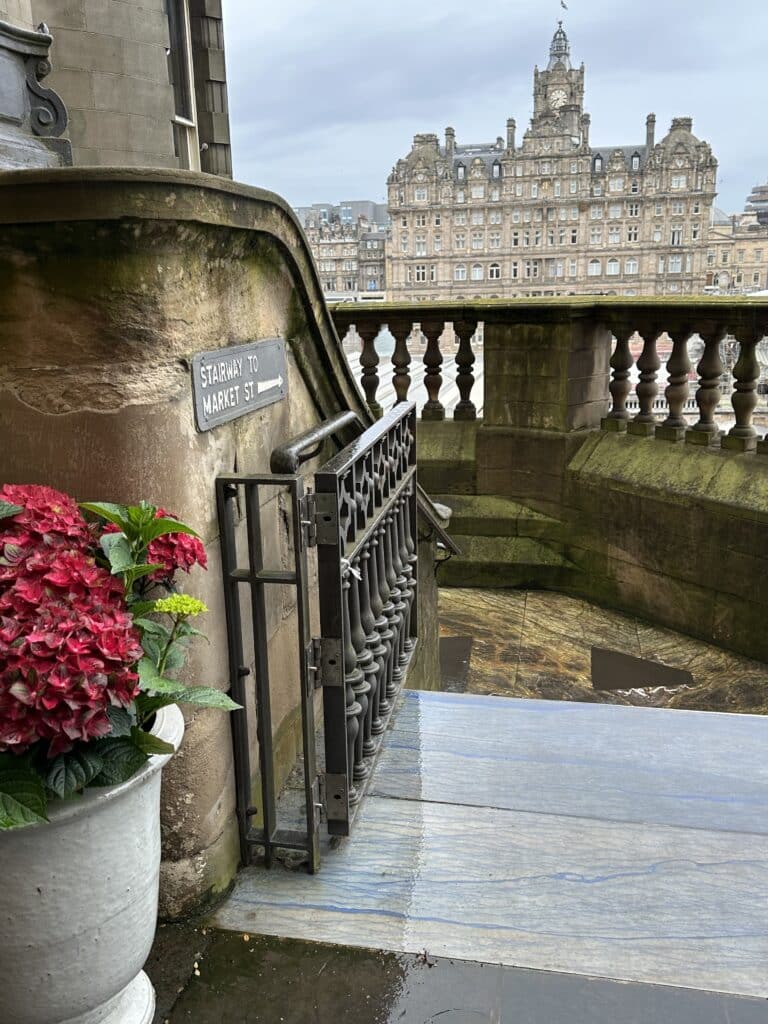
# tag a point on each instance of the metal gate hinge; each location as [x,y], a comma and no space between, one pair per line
[320,517]
[327,662]
[334,790]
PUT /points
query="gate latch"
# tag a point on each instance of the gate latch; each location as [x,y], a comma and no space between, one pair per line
[326,661]
[320,517]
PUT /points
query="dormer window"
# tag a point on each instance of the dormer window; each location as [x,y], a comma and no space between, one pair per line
[635,161]
[461,172]
[496,169]
[597,166]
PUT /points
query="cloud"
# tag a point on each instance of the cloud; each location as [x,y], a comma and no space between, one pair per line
[325,98]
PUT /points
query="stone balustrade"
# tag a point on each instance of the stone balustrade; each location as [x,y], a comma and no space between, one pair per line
[663,368]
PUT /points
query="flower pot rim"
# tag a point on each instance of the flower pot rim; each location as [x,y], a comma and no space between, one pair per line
[168,726]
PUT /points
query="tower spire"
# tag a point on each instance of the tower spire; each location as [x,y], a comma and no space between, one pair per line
[560,50]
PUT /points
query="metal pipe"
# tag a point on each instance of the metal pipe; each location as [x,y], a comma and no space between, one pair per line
[288,457]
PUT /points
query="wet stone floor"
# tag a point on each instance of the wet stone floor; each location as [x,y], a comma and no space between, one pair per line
[538,644]
[565,860]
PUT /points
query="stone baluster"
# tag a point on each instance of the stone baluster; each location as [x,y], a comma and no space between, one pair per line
[710,371]
[369,361]
[401,360]
[433,380]
[398,605]
[371,666]
[390,612]
[678,367]
[620,386]
[465,377]
[742,436]
[353,676]
[384,635]
[363,664]
[644,422]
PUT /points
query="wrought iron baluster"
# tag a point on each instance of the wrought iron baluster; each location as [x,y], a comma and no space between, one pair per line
[371,666]
[364,660]
[412,560]
[390,612]
[399,590]
[384,635]
[353,678]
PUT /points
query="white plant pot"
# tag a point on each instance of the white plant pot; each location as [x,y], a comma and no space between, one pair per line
[79,903]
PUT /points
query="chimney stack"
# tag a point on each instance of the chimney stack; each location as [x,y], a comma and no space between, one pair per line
[511,129]
[650,131]
[450,143]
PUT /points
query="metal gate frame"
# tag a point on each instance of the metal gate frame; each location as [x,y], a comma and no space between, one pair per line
[362,518]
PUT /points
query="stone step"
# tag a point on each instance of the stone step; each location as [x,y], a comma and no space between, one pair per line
[505,562]
[490,515]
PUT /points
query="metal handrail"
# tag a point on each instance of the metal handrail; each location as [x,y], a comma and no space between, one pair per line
[287,458]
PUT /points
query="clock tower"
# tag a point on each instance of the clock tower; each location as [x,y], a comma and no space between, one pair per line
[558,92]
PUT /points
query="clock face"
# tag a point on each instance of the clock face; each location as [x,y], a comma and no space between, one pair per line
[557,98]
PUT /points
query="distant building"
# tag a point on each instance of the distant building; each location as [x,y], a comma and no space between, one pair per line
[554,215]
[737,253]
[348,244]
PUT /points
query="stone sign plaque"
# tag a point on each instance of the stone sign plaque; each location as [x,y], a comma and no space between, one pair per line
[231,382]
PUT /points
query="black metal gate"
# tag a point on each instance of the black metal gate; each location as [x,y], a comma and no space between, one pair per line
[361,517]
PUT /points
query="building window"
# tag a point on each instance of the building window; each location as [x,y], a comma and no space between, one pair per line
[460,241]
[688,263]
[614,236]
[421,273]
[420,194]
[616,185]
[477,272]
[495,240]
[631,266]
[740,254]
[403,221]
[477,240]
[596,212]
[495,195]
[461,172]
[679,181]
[710,259]
[460,218]
[635,187]
[546,167]
[574,213]
[461,196]
[678,208]
[725,256]
[558,190]
[758,255]
[696,208]
[597,189]
[756,277]
[574,236]
[633,209]
[676,237]
[518,188]
[659,210]
[633,233]
[514,270]
[534,190]
[614,211]
[404,243]
[494,217]
[594,268]
[437,220]
[573,186]
[531,268]
[433,272]
[595,235]
[437,243]
[572,268]
[459,272]
[477,191]
[421,245]
[657,233]
[635,161]
[695,232]
[661,264]
[477,216]
[597,164]
[496,169]
[675,264]
[421,220]
[181,75]
[612,268]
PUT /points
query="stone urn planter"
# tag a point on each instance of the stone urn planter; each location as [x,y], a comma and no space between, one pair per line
[79,906]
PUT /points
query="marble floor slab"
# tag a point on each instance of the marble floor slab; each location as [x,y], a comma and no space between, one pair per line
[573,838]
[646,765]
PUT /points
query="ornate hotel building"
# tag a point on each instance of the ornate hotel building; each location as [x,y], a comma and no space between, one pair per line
[551,215]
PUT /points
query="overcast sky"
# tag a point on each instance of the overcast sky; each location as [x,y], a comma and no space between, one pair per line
[325,97]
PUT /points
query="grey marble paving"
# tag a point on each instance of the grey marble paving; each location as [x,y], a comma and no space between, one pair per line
[583,839]
[690,768]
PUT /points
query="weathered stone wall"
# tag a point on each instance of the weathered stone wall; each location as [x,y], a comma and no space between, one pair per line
[111,70]
[109,283]
[17,12]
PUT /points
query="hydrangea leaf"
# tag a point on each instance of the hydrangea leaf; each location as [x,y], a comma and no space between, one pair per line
[68,773]
[159,527]
[22,798]
[121,760]
[151,744]
[117,549]
[122,721]
[117,514]
[7,509]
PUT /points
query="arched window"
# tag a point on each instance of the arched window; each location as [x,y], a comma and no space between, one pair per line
[461,172]
[631,266]
[594,269]
[613,268]
[597,164]
[496,169]
[477,272]
[459,272]
[494,272]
